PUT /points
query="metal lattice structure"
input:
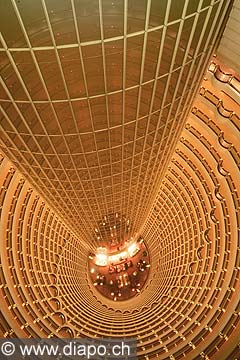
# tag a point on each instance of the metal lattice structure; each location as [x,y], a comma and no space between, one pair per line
[104,109]
[95,95]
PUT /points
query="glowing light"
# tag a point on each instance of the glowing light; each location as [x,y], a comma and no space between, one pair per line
[101,258]
[118,257]
[133,249]
[114,280]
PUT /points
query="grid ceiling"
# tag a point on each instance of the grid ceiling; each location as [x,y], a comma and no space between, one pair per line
[192,234]
[94,95]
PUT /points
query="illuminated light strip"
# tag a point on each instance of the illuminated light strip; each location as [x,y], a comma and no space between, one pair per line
[102,259]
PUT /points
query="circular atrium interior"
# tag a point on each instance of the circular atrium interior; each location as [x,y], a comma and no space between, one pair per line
[119,173]
[120,266]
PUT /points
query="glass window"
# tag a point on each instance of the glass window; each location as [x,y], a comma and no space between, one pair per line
[113,13]
[114,65]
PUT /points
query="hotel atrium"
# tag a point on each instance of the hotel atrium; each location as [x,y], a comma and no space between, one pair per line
[119,164]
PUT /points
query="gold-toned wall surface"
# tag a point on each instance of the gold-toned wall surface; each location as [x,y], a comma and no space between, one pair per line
[229,50]
[94,95]
[104,109]
[189,307]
